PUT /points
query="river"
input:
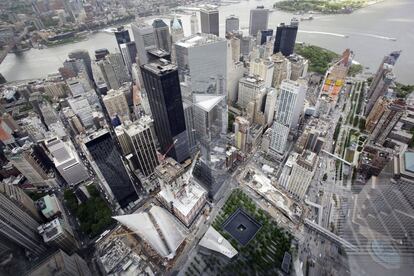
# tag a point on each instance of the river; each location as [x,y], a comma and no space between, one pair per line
[366,31]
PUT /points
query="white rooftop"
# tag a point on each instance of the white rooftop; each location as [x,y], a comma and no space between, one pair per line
[151,229]
[213,240]
[207,102]
[186,201]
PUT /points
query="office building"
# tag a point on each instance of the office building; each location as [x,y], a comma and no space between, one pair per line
[235,72]
[201,57]
[101,53]
[67,161]
[264,36]
[121,36]
[270,106]
[210,123]
[30,161]
[57,233]
[301,174]
[129,54]
[263,69]
[138,138]
[189,123]
[241,132]
[118,68]
[381,81]
[61,263]
[289,108]
[249,88]
[179,193]
[19,220]
[234,49]
[246,46]
[72,68]
[177,31]
[383,118]
[282,69]
[209,18]
[107,162]
[116,103]
[144,40]
[83,55]
[162,35]
[259,19]
[379,221]
[232,24]
[298,67]
[82,109]
[194,23]
[161,80]
[286,37]
[51,207]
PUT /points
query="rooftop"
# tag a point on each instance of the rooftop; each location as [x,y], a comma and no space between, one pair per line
[207,102]
[158,228]
[199,39]
[213,240]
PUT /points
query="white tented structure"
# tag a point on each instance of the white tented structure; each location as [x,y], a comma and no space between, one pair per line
[158,228]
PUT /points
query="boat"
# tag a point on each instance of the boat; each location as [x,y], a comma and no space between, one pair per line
[306,18]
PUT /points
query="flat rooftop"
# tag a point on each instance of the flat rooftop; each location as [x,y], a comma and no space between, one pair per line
[241,226]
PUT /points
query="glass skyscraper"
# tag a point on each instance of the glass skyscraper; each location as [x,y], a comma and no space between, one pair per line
[164,95]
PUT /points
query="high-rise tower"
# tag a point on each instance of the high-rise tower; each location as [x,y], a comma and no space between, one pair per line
[259,19]
[164,94]
[286,37]
[209,18]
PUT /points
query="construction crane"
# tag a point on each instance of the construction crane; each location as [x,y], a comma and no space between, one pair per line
[168,150]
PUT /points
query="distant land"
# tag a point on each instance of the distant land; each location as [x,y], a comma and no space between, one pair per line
[323,6]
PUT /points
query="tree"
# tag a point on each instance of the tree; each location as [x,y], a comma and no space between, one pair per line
[325,177]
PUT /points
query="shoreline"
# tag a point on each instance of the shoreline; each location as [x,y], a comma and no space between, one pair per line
[290,7]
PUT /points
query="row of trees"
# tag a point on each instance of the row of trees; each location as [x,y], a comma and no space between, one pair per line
[319,58]
[94,215]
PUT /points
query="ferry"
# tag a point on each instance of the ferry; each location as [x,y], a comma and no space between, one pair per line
[306,18]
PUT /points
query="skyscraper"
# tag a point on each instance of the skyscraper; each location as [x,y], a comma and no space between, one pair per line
[289,107]
[83,55]
[162,35]
[101,53]
[107,162]
[129,54]
[381,81]
[210,123]
[209,18]
[61,263]
[286,37]
[265,35]
[144,40]
[232,24]
[121,36]
[194,23]
[116,103]
[201,56]
[137,138]
[249,88]
[383,117]
[28,159]
[164,94]
[259,19]
[18,222]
